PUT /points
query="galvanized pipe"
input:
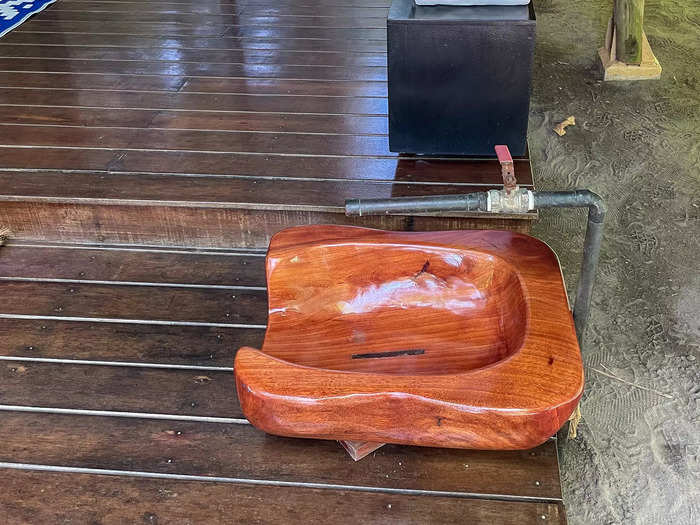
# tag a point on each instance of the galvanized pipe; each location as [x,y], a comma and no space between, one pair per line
[591,245]
[414,205]
[482,201]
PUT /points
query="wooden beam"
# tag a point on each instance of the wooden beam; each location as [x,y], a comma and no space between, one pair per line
[629,17]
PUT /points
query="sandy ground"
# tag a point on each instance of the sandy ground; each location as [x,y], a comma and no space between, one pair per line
[637,458]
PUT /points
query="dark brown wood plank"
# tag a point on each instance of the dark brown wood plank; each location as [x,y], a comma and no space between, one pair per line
[194,42]
[219,103]
[206,227]
[134,302]
[137,266]
[117,26]
[353,88]
[204,393]
[79,81]
[38,24]
[145,17]
[69,80]
[241,451]
[228,56]
[143,343]
[220,8]
[204,120]
[198,141]
[195,69]
[229,192]
[304,167]
[115,499]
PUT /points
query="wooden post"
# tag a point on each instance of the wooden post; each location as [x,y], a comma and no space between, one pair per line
[628,17]
[626,54]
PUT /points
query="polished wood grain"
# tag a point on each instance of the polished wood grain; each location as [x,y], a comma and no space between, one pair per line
[455,339]
[123,499]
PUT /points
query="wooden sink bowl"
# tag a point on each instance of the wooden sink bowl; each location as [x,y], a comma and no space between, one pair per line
[451,339]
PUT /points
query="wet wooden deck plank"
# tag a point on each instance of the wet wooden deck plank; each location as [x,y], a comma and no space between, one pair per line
[219,103]
[78,81]
[119,264]
[148,344]
[166,304]
[399,170]
[238,450]
[124,499]
[228,56]
[235,120]
[116,26]
[194,42]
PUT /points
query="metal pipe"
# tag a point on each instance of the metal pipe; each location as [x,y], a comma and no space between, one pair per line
[413,205]
[591,245]
[508,203]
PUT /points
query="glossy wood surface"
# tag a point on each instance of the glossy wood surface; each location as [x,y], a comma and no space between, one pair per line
[151,393]
[454,339]
[166,125]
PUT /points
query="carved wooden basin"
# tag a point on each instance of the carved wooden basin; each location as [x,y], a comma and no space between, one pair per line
[451,339]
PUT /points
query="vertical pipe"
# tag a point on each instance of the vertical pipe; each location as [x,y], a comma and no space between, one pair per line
[589,268]
[629,17]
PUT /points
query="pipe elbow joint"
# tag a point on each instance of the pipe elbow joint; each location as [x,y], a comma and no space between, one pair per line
[596,205]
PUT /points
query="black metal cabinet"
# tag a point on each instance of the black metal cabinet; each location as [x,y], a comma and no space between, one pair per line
[459,78]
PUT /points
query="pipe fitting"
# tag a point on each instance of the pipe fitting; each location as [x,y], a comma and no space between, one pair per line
[518,200]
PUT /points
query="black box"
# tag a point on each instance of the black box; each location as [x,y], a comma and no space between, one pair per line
[459,78]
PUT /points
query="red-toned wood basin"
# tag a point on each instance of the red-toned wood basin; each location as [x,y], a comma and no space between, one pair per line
[452,339]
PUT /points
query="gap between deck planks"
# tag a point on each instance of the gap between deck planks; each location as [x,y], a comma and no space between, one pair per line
[140,395]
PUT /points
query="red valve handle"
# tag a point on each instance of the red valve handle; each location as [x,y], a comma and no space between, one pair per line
[507,167]
[503,154]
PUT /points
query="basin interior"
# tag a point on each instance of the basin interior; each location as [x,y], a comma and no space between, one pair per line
[393,309]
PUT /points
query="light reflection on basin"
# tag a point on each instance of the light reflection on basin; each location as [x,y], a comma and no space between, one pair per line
[456,310]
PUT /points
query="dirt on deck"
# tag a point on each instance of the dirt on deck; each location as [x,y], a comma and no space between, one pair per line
[637,457]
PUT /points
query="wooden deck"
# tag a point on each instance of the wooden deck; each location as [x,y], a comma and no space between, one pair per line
[208,124]
[148,150]
[118,405]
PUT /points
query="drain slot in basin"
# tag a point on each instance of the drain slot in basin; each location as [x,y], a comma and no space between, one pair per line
[396,353]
